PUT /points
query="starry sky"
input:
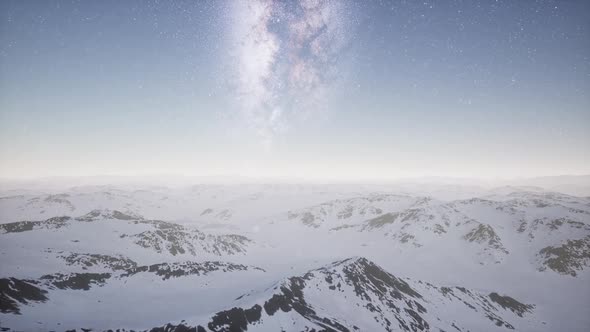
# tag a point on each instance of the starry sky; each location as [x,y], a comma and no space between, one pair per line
[308,89]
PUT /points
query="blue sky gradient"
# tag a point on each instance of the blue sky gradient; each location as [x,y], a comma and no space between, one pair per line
[453,88]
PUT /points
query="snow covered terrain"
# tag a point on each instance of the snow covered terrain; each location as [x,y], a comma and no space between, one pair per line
[294,257]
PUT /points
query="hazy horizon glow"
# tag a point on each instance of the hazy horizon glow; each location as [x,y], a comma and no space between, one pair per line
[307,89]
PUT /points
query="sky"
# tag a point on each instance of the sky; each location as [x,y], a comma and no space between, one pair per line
[307,89]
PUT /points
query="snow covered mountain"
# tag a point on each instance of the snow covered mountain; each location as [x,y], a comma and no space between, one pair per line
[124,230]
[357,295]
[227,258]
[349,295]
[553,228]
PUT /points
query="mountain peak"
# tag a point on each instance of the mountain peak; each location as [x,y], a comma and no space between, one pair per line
[321,299]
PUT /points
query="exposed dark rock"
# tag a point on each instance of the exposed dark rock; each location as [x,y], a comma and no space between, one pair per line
[177,328]
[176,239]
[235,319]
[96,215]
[24,226]
[507,302]
[382,220]
[570,257]
[175,270]
[485,234]
[78,281]
[364,272]
[14,291]
[116,263]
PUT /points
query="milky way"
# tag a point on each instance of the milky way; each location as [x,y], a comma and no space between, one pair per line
[286,59]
